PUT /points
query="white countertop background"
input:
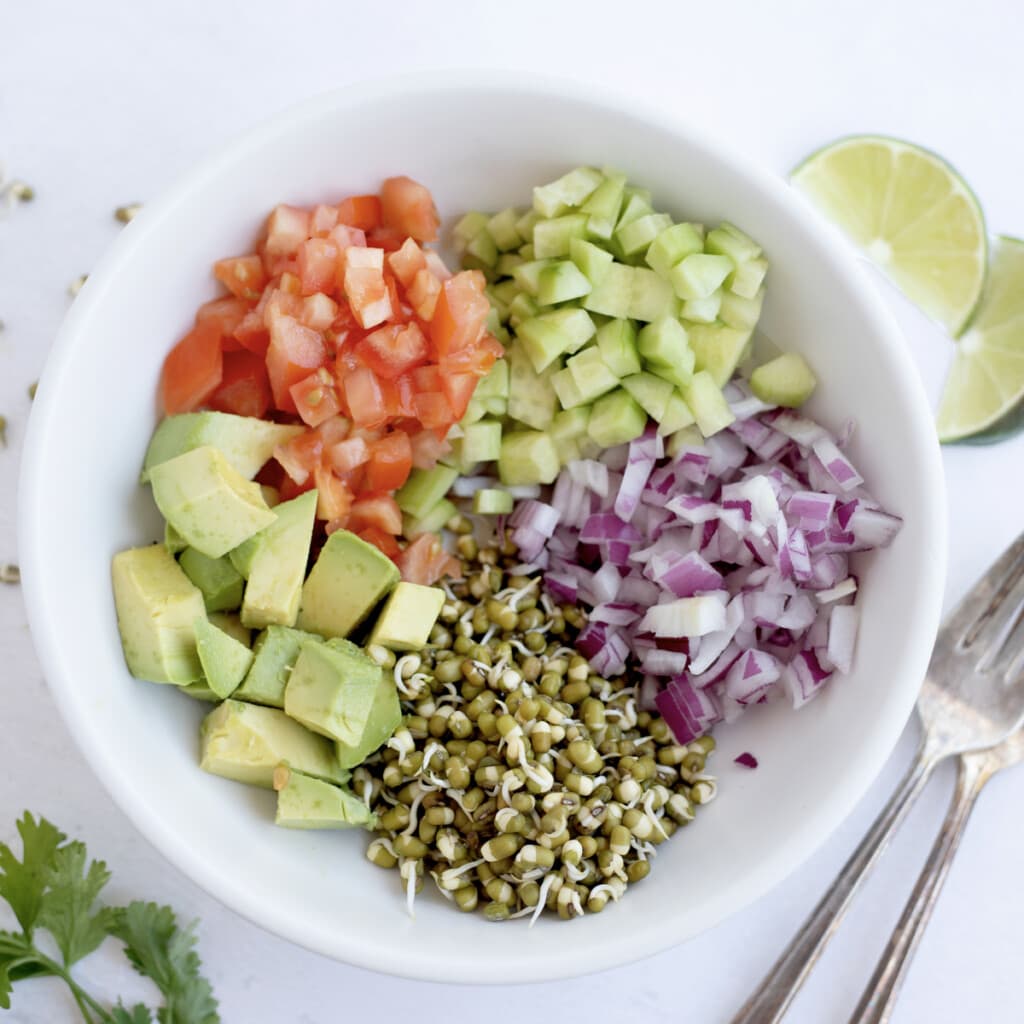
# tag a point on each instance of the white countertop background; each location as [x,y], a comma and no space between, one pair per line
[105,103]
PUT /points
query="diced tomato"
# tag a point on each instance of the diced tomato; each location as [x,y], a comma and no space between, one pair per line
[315,397]
[423,294]
[294,351]
[476,359]
[300,456]
[252,333]
[427,448]
[379,510]
[333,499]
[280,303]
[360,212]
[427,378]
[345,237]
[318,264]
[290,489]
[244,388]
[398,397]
[388,239]
[394,299]
[290,283]
[363,397]
[432,409]
[333,430]
[193,369]
[226,312]
[461,311]
[243,276]
[436,265]
[425,561]
[407,262]
[458,389]
[322,220]
[346,455]
[319,311]
[275,266]
[390,462]
[384,542]
[393,349]
[364,286]
[287,229]
[408,206]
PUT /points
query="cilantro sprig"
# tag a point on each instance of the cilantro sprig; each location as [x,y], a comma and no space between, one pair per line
[56,888]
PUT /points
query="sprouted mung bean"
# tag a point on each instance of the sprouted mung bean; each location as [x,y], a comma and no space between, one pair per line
[127,213]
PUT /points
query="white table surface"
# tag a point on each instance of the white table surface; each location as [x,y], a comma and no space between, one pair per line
[105,103]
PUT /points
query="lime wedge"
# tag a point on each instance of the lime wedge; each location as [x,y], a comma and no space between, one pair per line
[982,398]
[910,213]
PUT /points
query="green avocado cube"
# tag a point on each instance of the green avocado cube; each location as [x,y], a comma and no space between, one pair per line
[672,246]
[384,718]
[718,349]
[424,489]
[527,457]
[246,742]
[173,541]
[276,650]
[157,606]
[709,407]
[616,419]
[225,661]
[310,803]
[593,378]
[408,616]
[245,441]
[348,579]
[208,502]
[220,582]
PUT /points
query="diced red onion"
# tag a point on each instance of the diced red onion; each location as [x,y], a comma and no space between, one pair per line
[746,760]
[842,635]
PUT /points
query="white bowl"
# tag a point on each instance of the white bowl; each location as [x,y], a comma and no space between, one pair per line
[479,141]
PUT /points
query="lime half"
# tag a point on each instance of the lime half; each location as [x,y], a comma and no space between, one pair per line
[910,213]
[983,398]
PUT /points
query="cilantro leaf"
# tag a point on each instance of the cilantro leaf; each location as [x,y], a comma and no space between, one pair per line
[17,961]
[66,907]
[158,948]
[22,882]
[138,1014]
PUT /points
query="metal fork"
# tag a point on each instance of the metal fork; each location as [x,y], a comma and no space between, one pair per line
[972,699]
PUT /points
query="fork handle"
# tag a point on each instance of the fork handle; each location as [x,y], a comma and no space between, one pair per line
[784,979]
[879,999]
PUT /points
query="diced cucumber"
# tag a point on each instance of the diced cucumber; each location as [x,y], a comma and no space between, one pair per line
[507,262]
[592,260]
[651,392]
[526,250]
[664,343]
[736,311]
[551,238]
[708,405]
[616,419]
[456,458]
[570,424]
[604,205]
[522,307]
[569,190]
[475,411]
[748,277]
[718,349]
[492,501]
[728,240]
[592,376]
[697,276]
[561,282]
[494,384]
[785,380]
[548,335]
[527,275]
[432,522]
[567,390]
[568,449]
[635,190]
[532,399]
[527,457]
[481,442]
[677,415]
[424,489]
[504,291]
[651,296]
[481,251]
[635,206]
[467,228]
[686,437]
[617,342]
[702,311]
[499,308]
[493,321]
[613,296]
[502,227]
[524,226]
[672,246]
[638,234]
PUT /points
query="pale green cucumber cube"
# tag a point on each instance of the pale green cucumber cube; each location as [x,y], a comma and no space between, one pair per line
[592,376]
[568,449]
[424,489]
[651,392]
[672,246]
[604,205]
[551,238]
[663,342]
[616,419]
[706,401]
[569,190]
[549,335]
[432,522]
[521,308]
[524,225]
[636,204]
[614,294]
[561,282]
[481,442]
[504,291]
[498,313]
[617,342]
[570,424]
[502,227]
[531,396]
[686,437]
[747,278]
[728,240]
[718,349]
[638,234]
[592,260]
[702,311]
[494,384]
[481,252]
[526,250]
[736,311]
[492,501]
[697,276]
[785,380]
[527,457]
[567,390]
[677,415]
[467,228]
[651,296]
[507,262]
[527,275]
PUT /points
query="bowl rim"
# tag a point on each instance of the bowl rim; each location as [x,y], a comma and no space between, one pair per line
[576,959]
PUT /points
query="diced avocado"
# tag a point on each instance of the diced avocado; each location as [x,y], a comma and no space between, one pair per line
[245,441]
[246,742]
[348,579]
[307,802]
[785,380]
[567,390]
[728,240]
[277,566]
[173,541]
[616,419]
[331,690]
[604,205]
[225,661]
[275,651]
[697,276]
[467,228]
[481,442]
[702,311]
[527,276]
[672,246]
[527,457]
[736,311]
[502,227]
[551,238]
[208,502]
[747,278]
[492,501]
[432,522]
[613,295]
[592,261]
[651,297]
[561,282]
[220,582]
[592,376]
[232,625]
[567,191]
[617,342]
[638,234]
[157,606]
[424,489]
[384,718]
[651,392]
[676,416]
[200,690]
[709,407]
[665,349]
[718,350]
[549,335]
[408,616]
